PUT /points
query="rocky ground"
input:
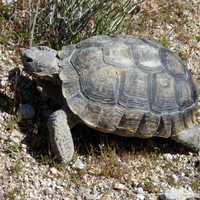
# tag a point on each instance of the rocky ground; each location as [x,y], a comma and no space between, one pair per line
[104,167]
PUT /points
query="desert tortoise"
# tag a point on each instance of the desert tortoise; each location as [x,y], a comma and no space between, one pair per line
[122,85]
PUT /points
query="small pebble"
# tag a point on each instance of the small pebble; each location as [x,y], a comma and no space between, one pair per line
[177,194]
[119,186]
[54,171]
[3,83]
[140,197]
[78,164]
[140,190]
[167,156]
[175,178]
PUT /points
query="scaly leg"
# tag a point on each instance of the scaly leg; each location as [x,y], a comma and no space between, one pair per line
[60,136]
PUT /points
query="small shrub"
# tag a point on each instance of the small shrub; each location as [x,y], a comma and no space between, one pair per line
[196,185]
[16,168]
[13,194]
[11,123]
[197,37]
[13,149]
[164,41]
[150,187]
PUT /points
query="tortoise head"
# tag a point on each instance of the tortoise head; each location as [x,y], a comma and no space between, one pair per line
[41,62]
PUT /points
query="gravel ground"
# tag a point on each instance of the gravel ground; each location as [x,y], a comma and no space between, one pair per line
[104,167]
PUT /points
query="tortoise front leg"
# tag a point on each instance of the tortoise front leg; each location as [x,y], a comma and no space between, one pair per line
[60,136]
[189,137]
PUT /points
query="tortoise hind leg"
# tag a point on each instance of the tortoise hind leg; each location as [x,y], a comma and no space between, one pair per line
[60,136]
[189,137]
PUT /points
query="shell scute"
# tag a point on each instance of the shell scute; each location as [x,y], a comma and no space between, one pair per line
[164,93]
[87,59]
[118,50]
[134,89]
[173,63]
[100,85]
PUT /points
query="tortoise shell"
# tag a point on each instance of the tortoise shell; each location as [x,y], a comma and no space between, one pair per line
[127,85]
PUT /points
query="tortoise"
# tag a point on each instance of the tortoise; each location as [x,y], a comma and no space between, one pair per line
[122,85]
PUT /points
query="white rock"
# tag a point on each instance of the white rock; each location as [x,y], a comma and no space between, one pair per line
[3,83]
[140,190]
[66,198]
[16,136]
[177,194]
[119,186]
[14,140]
[7,1]
[167,156]
[84,192]
[1,117]
[78,164]
[54,171]
[182,174]
[175,178]
[140,197]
